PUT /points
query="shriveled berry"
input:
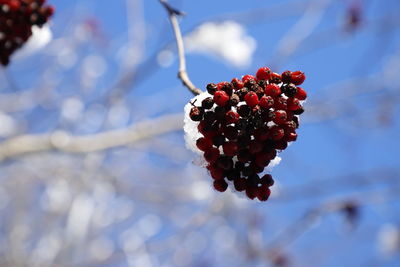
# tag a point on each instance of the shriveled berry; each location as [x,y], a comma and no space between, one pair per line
[266,102]
[276,133]
[196,114]
[272,90]
[230,148]
[289,90]
[298,111]
[211,88]
[209,116]
[275,78]
[220,185]
[237,84]
[251,99]
[207,103]
[297,77]
[234,100]
[280,103]
[263,73]
[226,87]
[250,84]
[221,98]
[258,90]
[212,154]
[286,76]
[244,110]
[301,94]
[280,117]
[242,92]
[244,155]
[203,143]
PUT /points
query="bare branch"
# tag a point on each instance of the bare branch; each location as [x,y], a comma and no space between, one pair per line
[182,73]
[64,142]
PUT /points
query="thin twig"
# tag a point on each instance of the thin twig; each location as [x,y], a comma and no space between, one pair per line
[64,142]
[182,73]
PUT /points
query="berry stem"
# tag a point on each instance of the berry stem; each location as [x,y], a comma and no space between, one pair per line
[182,73]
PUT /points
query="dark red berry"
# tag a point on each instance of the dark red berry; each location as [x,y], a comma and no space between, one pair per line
[211,88]
[251,192]
[203,143]
[196,113]
[218,140]
[263,73]
[272,90]
[224,163]
[289,90]
[230,132]
[267,180]
[255,146]
[216,172]
[280,103]
[251,99]
[263,193]
[298,77]
[240,184]
[280,145]
[230,148]
[220,185]
[244,110]
[234,100]
[290,137]
[211,155]
[207,103]
[221,98]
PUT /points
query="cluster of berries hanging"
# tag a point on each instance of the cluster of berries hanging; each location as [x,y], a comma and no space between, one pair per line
[16,20]
[239,127]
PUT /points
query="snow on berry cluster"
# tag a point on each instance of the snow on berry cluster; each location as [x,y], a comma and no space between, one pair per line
[240,126]
[16,20]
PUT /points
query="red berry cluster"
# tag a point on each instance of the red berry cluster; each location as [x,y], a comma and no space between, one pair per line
[244,123]
[16,20]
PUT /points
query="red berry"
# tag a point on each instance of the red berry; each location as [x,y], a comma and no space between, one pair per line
[230,148]
[293,104]
[212,154]
[276,133]
[272,90]
[251,99]
[231,117]
[261,134]
[204,143]
[220,185]
[221,98]
[280,117]
[301,94]
[267,180]
[246,78]
[263,73]
[297,77]
[263,193]
[266,102]
[262,159]
[240,184]
[221,85]
[280,145]
[255,146]
[238,84]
